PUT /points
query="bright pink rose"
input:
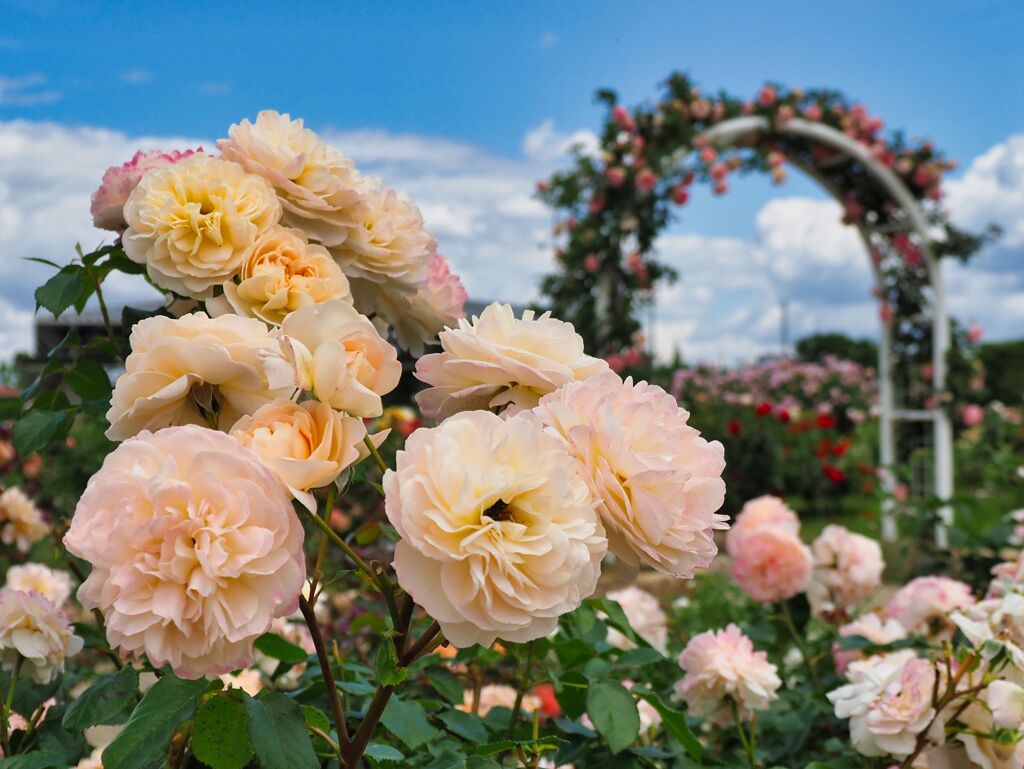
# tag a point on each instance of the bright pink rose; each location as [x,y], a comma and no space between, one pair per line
[119,181]
[972,414]
[646,180]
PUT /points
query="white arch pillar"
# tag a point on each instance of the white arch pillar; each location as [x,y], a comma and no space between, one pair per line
[728,133]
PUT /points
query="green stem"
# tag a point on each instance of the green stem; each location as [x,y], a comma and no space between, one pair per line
[345,547]
[7,709]
[332,495]
[381,464]
[524,677]
[748,743]
[787,619]
[103,306]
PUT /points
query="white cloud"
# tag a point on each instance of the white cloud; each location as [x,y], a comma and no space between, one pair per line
[27,91]
[481,207]
[136,76]
[546,143]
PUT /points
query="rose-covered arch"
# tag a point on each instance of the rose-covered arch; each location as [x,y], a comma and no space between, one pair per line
[612,205]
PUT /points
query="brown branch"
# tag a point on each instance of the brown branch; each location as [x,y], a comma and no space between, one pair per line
[309,615]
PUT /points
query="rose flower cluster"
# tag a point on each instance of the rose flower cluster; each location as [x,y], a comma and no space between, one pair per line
[290,278]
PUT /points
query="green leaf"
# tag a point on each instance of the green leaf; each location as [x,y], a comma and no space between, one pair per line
[147,735]
[277,729]
[447,685]
[386,666]
[38,760]
[408,722]
[571,693]
[380,752]
[448,759]
[274,646]
[675,724]
[220,737]
[466,725]
[89,381]
[102,702]
[62,290]
[37,429]
[613,712]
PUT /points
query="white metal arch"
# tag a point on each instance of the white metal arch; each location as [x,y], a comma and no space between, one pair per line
[727,134]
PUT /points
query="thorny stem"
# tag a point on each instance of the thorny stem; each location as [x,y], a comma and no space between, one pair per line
[787,619]
[309,615]
[345,547]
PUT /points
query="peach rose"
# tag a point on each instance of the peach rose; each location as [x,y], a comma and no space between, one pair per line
[927,601]
[280,273]
[418,318]
[34,629]
[498,696]
[191,223]
[721,668]
[180,367]
[770,564]
[306,444]
[497,361]
[657,482]
[388,243]
[340,356]
[645,616]
[499,538]
[53,585]
[318,186]
[249,681]
[21,523]
[119,181]
[847,569]
[194,547]
[760,511]
[93,761]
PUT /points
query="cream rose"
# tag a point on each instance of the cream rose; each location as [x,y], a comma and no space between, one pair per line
[317,185]
[497,361]
[656,481]
[34,629]
[306,444]
[340,356]
[497,696]
[499,538]
[280,273]
[21,523]
[176,365]
[53,585]
[190,223]
[388,243]
[194,547]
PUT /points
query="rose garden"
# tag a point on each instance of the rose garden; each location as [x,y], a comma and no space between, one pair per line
[307,513]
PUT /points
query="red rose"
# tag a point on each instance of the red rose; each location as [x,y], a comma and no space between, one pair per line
[763,409]
[735,427]
[834,474]
[825,421]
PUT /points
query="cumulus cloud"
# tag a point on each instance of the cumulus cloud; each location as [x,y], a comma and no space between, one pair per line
[480,205]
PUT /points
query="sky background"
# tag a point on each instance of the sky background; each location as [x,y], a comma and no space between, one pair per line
[465,105]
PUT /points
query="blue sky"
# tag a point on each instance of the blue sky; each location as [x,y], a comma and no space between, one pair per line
[483,75]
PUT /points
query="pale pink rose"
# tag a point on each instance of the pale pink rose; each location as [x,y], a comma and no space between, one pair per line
[119,181]
[498,696]
[1006,701]
[194,547]
[248,680]
[35,630]
[656,481]
[771,564]
[761,511]
[418,318]
[987,753]
[93,761]
[21,523]
[972,414]
[318,186]
[645,616]
[1007,576]
[994,619]
[387,244]
[927,601]
[340,356]
[178,363]
[722,668]
[869,626]
[497,361]
[847,569]
[306,444]
[191,223]
[53,585]
[499,538]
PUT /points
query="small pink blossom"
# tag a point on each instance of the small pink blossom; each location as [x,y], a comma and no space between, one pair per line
[767,96]
[591,263]
[622,118]
[708,155]
[975,333]
[119,181]
[813,112]
[646,180]
[972,415]
[615,176]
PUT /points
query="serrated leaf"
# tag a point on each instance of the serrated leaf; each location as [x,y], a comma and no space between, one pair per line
[147,734]
[380,752]
[613,712]
[37,429]
[275,646]
[220,736]
[571,693]
[37,760]
[106,699]
[448,759]
[447,685]
[277,730]
[408,722]
[466,725]
[62,290]
[386,666]
[89,381]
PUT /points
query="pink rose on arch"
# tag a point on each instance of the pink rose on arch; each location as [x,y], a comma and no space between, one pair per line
[972,415]
[119,181]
